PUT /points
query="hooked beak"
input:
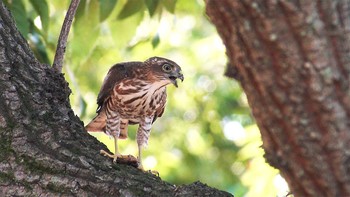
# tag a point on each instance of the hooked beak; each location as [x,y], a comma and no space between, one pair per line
[173,78]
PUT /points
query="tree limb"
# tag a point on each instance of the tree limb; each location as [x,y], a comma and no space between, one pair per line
[292,58]
[62,40]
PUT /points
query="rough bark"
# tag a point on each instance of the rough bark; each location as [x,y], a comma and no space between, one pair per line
[44,149]
[292,59]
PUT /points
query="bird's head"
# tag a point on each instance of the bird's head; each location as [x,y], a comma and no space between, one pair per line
[165,70]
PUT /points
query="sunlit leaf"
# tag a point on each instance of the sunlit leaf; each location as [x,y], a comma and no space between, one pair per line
[151,6]
[131,7]
[169,5]
[106,8]
[155,41]
[19,13]
[42,9]
[124,30]
[86,32]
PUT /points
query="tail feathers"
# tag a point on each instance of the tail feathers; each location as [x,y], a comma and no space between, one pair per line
[98,123]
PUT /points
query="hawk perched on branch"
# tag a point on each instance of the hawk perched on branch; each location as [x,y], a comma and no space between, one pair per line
[133,93]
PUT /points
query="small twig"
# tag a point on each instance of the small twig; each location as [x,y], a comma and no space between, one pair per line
[62,40]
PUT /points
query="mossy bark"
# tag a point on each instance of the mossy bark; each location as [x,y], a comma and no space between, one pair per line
[44,148]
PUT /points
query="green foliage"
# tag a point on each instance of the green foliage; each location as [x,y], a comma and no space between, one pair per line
[106,8]
[85,36]
[169,5]
[155,41]
[151,6]
[206,132]
[19,13]
[42,9]
[131,7]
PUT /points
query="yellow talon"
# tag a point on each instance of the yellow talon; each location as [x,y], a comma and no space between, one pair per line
[113,156]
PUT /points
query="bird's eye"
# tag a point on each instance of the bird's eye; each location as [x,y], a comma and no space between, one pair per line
[166,67]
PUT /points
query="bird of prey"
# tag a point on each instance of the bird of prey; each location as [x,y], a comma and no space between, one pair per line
[133,93]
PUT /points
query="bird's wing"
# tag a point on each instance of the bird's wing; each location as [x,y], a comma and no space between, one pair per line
[115,74]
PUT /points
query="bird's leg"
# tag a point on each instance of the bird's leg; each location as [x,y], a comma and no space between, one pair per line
[116,152]
[113,128]
[139,158]
[142,136]
[142,139]
[123,129]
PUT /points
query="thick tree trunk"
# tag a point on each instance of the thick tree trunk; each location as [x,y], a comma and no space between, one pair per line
[44,149]
[292,59]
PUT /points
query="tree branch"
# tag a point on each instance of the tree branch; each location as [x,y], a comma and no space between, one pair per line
[292,70]
[62,40]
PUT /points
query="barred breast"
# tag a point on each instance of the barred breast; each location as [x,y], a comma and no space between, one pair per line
[135,99]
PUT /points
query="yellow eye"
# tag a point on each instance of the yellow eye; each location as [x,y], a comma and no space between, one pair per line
[166,67]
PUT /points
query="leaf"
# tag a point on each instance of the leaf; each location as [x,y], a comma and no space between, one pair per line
[82,105]
[124,30]
[42,9]
[169,5]
[80,10]
[38,47]
[155,41]
[151,6]
[131,7]
[19,13]
[85,35]
[106,8]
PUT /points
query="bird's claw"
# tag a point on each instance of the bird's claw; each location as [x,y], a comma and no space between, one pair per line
[123,159]
[113,156]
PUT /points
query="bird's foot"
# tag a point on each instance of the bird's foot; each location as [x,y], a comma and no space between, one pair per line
[113,156]
[123,159]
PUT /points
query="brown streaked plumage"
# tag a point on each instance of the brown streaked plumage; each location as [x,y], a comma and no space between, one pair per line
[133,93]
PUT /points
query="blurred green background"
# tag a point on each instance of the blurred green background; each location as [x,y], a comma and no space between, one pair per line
[207,132]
